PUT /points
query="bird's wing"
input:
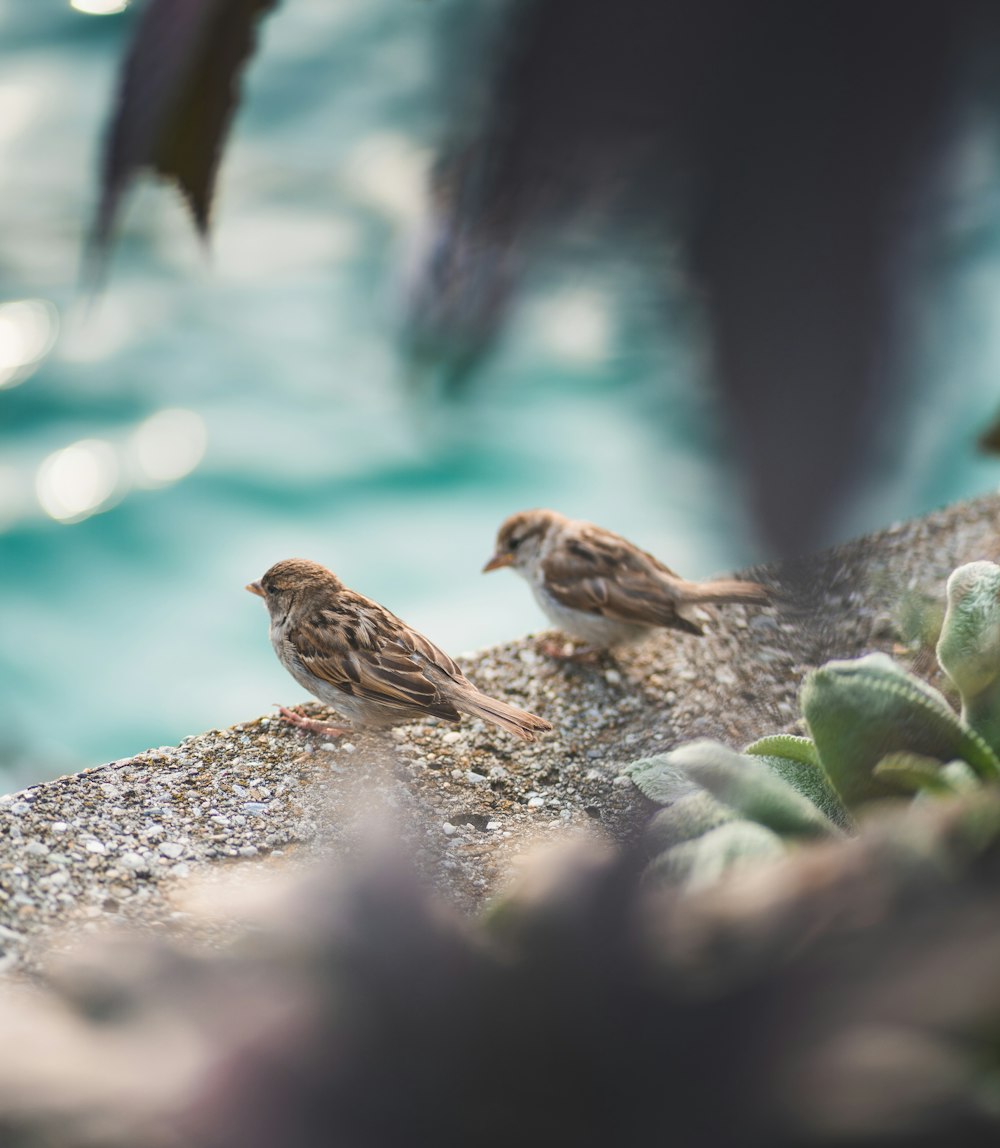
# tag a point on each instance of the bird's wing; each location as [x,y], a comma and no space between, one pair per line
[367,652]
[599,572]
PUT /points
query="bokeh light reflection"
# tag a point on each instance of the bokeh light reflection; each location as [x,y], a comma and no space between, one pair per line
[99,7]
[576,326]
[77,481]
[388,173]
[28,331]
[167,446]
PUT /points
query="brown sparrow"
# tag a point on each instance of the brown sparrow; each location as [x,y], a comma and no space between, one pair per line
[372,668]
[600,588]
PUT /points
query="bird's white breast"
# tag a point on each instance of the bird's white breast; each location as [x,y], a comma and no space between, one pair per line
[594,629]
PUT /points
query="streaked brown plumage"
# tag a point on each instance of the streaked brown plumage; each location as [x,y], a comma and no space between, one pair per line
[366,663]
[600,588]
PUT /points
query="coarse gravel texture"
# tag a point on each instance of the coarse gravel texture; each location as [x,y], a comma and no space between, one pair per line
[123,841]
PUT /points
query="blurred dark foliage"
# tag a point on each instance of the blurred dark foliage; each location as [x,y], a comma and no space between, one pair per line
[850,996]
[797,154]
[176,97]
[794,156]
[989,440]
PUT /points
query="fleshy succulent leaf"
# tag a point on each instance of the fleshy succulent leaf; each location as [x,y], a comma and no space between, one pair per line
[659,779]
[786,745]
[750,788]
[688,817]
[795,760]
[811,781]
[861,710]
[961,777]
[704,860]
[914,772]
[968,649]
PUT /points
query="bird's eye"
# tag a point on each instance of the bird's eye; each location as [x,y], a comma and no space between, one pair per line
[514,543]
[268,587]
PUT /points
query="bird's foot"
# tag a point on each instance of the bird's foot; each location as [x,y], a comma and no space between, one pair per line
[568,652]
[312,724]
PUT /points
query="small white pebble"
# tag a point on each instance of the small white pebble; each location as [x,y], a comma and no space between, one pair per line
[612,677]
[59,827]
[457,774]
[37,848]
[451,737]
[20,807]
[132,860]
[474,778]
[448,828]
[171,849]
[248,850]
[329,746]
[95,846]
[493,825]
[349,747]
[536,802]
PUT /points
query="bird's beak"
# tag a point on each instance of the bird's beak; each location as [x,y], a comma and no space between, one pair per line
[497,561]
[256,588]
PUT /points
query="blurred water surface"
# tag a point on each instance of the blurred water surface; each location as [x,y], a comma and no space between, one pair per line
[214,412]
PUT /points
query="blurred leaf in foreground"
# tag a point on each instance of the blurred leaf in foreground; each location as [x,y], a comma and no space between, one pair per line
[177,93]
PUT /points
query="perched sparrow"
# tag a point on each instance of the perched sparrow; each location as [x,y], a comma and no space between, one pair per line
[355,656]
[600,588]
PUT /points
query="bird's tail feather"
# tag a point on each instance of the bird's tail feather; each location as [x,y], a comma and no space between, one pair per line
[518,722]
[727,590]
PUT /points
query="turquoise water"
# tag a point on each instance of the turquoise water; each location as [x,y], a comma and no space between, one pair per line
[214,413]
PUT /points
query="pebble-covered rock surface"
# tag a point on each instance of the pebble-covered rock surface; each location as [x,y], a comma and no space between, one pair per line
[124,840]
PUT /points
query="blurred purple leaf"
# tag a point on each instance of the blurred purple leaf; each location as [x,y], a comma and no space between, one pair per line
[178,91]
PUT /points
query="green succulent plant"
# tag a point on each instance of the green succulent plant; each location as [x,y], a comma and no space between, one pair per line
[969,647]
[877,732]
